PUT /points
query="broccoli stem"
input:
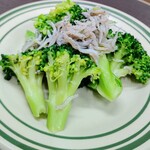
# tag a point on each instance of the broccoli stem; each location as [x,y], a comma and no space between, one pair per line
[58,93]
[32,86]
[109,85]
[64,75]
[35,98]
[57,118]
[118,68]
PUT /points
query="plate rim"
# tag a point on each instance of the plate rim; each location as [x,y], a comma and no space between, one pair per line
[85,2]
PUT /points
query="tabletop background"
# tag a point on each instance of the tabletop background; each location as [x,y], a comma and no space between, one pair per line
[135,8]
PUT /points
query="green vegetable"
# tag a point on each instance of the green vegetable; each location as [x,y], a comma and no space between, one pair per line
[25,67]
[61,10]
[64,72]
[66,69]
[30,35]
[130,58]
[76,13]
[108,85]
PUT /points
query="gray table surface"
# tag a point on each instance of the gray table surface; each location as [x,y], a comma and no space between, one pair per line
[135,8]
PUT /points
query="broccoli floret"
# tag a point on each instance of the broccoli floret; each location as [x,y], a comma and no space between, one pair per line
[130,59]
[107,85]
[64,73]
[141,69]
[25,67]
[5,63]
[76,13]
[60,10]
[56,15]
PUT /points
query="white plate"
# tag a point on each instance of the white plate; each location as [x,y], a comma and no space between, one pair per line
[93,123]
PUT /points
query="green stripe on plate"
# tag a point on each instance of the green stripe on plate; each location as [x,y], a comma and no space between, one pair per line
[15,142]
[137,143]
[141,140]
[15,28]
[46,7]
[94,136]
[20,14]
[15,10]
[132,145]
[21,145]
[85,137]
[115,11]
[130,20]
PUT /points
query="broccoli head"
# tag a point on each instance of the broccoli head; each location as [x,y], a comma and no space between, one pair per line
[130,58]
[25,66]
[61,10]
[64,72]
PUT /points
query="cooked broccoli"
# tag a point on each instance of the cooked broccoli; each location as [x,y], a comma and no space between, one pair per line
[66,69]
[64,72]
[108,85]
[76,13]
[61,10]
[130,58]
[25,67]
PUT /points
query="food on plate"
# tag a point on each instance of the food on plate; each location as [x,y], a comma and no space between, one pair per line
[130,58]
[25,67]
[73,47]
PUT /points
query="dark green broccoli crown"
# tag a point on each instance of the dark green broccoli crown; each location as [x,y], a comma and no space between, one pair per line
[64,58]
[110,34]
[76,13]
[22,61]
[130,46]
[133,55]
[5,63]
[42,22]
[141,69]
[56,49]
